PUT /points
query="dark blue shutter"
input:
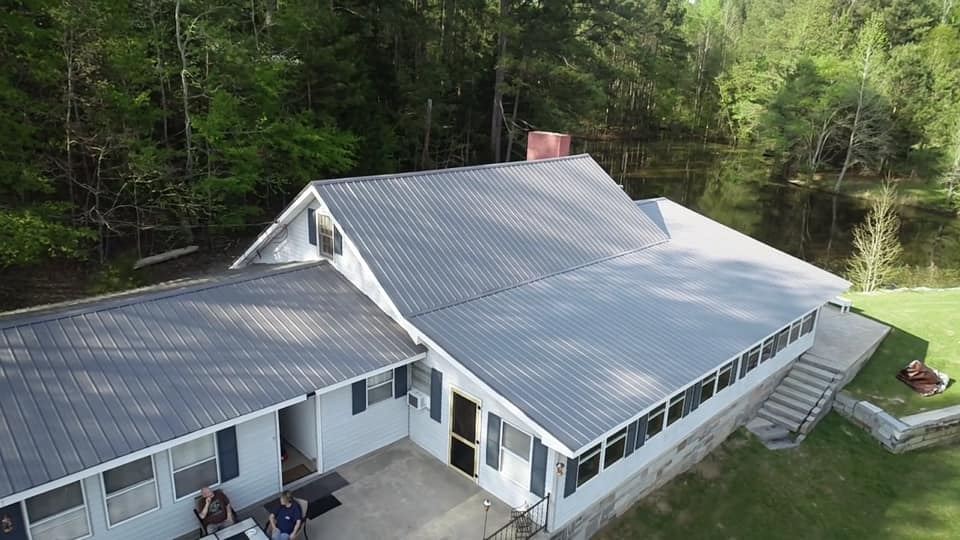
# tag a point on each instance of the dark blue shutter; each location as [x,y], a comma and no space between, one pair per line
[631,438]
[493,441]
[15,515]
[311,226]
[642,430]
[229,457]
[570,481]
[337,241]
[743,366]
[538,469]
[733,370]
[400,381]
[359,396]
[436,393]
[691,400]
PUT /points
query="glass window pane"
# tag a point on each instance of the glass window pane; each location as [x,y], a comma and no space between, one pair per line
[128,475]
[655,421]
[379,379]
[54,502]
[515,469]
[380,393]
[794,332]
[421,377]
[192,479]
[723,379]
[516,441]
[706,388]
[132,503]
[767,352]
[192,452]
[782,339]
[589,465]
[807,325]
[676,409]
[65,527]
[614,451]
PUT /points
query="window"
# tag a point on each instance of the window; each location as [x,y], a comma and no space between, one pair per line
[616,445]
[807,325]
[655,421]
[782,337]
[752,358]
[767,352]
[325,233]
[60,513]
[707,387]
[589,465]
[515,454]
[675,411]
[725,377]
[194,466]
[420,377]
[794,331]
[130,490]
[379,387]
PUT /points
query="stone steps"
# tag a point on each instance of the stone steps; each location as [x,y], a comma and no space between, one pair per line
[815,371]
[796,404]
[808,399]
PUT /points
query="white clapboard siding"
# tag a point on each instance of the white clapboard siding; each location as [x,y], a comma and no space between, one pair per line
[259,478]
[345,436]
[291,245]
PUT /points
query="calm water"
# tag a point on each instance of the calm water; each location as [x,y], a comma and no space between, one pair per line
[736,188]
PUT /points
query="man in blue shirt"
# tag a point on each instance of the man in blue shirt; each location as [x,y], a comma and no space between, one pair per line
[285,521]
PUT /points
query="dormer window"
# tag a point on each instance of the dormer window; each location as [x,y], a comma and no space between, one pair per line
[322,233]
[325,234]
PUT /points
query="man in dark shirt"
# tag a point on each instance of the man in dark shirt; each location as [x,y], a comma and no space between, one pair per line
[285,521]
[214,510]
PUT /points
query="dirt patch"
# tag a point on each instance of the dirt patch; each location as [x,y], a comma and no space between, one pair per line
[709,469]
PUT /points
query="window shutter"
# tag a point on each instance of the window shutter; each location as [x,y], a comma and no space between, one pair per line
[493,441]
[631,439]
[311,226]
[691,400]
[743,366]
[436,393]
[734,370]
[538,468]
[337,241]
[641,431]
[228,455]
[359,396]
[570,480]
[17,529]
[400,381]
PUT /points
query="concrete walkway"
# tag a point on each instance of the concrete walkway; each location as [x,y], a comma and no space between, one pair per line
[845,341]
[402,492]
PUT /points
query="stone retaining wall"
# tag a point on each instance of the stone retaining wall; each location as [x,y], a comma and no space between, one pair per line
[900,435]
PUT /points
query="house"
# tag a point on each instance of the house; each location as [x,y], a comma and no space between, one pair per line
[526,323]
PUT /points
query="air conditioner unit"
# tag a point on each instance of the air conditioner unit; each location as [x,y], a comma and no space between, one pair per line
[418,400]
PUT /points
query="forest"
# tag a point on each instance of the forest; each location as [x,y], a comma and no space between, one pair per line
[133,127]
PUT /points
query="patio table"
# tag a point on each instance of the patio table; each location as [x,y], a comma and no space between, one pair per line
[244,530]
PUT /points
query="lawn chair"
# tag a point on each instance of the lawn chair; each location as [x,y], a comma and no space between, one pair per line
[304,504]
[203,526]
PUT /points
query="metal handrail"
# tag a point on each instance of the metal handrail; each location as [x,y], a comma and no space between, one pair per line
[524,524]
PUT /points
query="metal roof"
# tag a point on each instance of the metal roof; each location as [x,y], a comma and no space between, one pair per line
[436,238]
[91,383]
[584,351]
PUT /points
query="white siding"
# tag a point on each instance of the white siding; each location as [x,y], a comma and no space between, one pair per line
[298,426]
[434,437]
[566,508]
[292,244]
[259,478]
[345,436]
[352,266]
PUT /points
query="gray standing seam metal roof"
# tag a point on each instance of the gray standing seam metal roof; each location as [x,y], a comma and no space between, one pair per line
[584,351]
[103,380]
[440,237]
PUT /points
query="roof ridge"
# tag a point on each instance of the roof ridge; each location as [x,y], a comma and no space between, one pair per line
[493,292]
[141,295]
[436,172]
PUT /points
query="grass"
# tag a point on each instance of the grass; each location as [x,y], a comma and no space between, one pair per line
[926,326]
[913,191]
[838,484]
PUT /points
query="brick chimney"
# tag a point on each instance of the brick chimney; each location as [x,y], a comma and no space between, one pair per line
[544,144]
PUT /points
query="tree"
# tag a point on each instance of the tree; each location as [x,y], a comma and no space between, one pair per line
[876,244]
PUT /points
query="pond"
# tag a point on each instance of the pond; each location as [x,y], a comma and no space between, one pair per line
[738,188]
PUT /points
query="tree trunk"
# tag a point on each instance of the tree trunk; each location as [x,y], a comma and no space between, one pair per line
[187,129]
[425,158]
[512,129]
[852,142]
[496,115]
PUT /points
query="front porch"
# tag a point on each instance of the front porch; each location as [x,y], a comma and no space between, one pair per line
[400,491]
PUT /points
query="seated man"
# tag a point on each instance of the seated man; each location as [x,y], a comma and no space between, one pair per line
[214,510]
[285,521]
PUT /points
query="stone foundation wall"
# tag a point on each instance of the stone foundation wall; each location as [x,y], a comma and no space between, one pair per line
[899,435]
[678,459]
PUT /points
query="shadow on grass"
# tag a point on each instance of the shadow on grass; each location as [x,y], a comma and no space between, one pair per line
[838,484]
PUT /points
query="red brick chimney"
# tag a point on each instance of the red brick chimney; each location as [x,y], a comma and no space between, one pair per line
[544,144]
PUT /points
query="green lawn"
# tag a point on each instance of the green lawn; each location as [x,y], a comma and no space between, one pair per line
[837,484]
[926,326]
[922,192]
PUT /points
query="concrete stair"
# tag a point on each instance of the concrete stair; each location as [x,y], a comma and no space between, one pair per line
[798,403]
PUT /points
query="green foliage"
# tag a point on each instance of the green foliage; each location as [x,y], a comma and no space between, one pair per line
[31,236]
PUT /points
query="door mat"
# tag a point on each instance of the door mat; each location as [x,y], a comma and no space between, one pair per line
[321,487]
[321,506]
[295,473]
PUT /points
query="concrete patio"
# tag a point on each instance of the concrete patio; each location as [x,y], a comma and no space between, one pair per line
[400,491]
